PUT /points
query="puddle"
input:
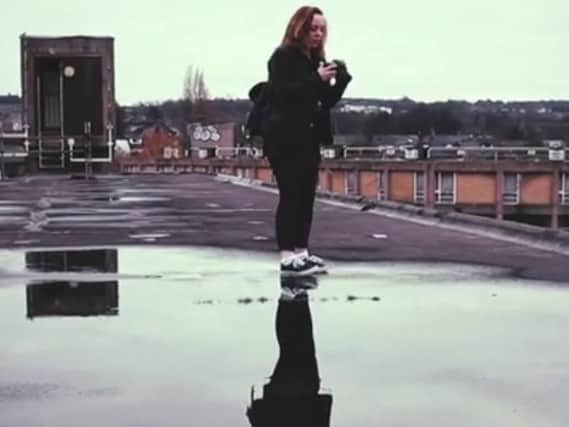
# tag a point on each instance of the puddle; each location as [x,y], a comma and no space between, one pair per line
[115,217]
[379,236]
[135,199]
[26,242]
[13,209]
[12,220]
[59,212]
[13,202]
[153,236]
[104,198]
[207,336]
[144,190]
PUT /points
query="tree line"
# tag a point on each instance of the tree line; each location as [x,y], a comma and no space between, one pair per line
[409,117]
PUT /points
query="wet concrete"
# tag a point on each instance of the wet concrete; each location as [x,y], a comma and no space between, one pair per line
[198,210]
[172,312]
[178,336]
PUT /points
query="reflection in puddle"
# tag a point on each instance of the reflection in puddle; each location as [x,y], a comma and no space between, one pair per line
[94,260]
[292,396]
[198,329]
[72,299]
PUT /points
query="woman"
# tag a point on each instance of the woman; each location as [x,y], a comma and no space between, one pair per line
[302,90]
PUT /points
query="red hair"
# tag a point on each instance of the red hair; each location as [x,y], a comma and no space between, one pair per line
[298,29]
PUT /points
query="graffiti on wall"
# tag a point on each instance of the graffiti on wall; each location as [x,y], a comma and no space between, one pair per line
[207,133]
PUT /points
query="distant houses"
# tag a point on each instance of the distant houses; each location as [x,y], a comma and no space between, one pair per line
[10,113]
[161,141]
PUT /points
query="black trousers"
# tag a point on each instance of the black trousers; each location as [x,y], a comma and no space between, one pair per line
[296,172]
[292,396]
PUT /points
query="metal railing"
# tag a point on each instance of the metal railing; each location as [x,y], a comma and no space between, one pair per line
[66,145]
[53,151]
[399,153]
[87,147]
[381,152]
[498,153]
[232,152]
[5,154]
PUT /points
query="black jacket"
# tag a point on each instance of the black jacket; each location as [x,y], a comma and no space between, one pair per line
[300,102]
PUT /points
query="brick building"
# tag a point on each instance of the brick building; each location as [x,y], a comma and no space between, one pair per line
[161,142]
[220,137]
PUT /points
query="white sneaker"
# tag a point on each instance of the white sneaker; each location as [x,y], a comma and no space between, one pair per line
[320,265]
[316,260]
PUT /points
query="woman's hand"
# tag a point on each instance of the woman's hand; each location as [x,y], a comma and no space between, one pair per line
[327,72]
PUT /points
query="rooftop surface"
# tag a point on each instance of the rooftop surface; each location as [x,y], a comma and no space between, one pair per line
[200,210]
[153,300]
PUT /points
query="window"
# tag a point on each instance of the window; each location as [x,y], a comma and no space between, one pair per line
[511,194]
[380,186]
[445,188]
[352,183]
[564,193]
[322,176]
[419,187]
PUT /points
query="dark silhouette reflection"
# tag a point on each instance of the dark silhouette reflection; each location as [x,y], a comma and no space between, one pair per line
[292,398]
[84,260]
[72,299]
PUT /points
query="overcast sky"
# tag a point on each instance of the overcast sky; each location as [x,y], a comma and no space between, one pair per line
[425,49]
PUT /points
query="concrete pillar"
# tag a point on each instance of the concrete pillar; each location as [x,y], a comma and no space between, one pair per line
[555,202]
[499,193]
[385,183]
[430,186]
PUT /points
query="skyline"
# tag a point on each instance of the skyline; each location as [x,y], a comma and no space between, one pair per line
[461,50]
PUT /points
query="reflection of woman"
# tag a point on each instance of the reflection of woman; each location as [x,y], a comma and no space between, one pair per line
[303,89]
[291,397]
